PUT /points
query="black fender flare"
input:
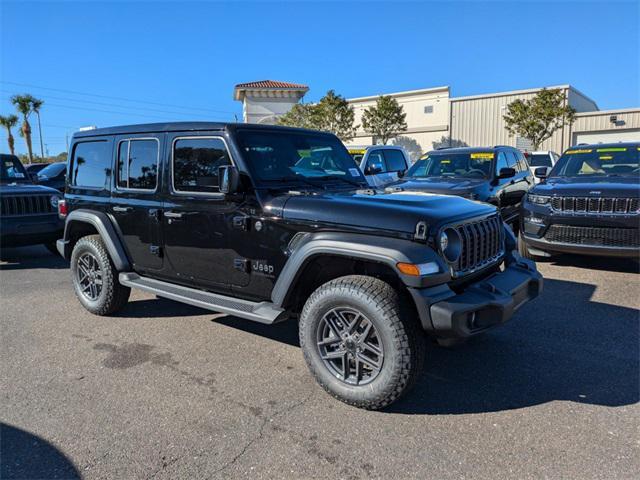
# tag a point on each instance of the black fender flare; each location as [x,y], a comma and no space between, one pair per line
[105,229]
[385,250]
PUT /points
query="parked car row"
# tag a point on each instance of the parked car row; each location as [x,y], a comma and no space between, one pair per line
[585,202]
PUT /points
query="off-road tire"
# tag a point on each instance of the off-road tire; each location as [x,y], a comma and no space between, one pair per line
[397,326]
[51,246]
[113,296]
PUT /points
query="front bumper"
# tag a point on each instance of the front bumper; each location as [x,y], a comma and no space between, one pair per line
[30,230]
[596,250]
[485,304]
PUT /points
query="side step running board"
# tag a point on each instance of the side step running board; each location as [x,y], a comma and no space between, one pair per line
[263,312]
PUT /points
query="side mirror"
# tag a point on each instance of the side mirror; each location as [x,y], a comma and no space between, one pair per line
[541,172]
[229,179]
[401,173]
[507,172]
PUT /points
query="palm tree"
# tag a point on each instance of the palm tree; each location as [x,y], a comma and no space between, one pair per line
[36,105]
[9,122]
[24,105]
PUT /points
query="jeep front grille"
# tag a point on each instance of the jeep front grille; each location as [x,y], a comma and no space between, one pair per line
[595,205]
[482,245]
[594,236]
[25,205]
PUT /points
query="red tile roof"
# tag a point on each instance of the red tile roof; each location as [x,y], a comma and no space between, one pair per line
[270,84]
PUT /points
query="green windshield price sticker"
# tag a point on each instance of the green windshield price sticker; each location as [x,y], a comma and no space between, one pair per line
[617,149]
[571,152]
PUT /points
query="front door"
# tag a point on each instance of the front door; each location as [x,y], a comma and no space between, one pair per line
[198,218]
[134,202]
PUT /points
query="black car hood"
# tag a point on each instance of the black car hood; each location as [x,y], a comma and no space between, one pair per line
[590,187]
[25,189]
[391,211]
[449,185]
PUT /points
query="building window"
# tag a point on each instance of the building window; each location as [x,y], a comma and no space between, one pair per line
[428,109]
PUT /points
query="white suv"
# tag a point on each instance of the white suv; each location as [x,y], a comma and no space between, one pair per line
[541,159]
[381,164]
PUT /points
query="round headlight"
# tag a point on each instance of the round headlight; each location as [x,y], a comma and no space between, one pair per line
[54,201]
[450,245]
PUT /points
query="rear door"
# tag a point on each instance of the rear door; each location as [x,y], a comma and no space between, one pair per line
[135,203]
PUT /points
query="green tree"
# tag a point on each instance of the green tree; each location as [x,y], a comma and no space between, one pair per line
[334,114]
[539,117]
[36,105]
[301,116]
[9,122]
[385,119]
[24,105]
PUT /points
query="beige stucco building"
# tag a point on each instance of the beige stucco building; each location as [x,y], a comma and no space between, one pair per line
[435,119]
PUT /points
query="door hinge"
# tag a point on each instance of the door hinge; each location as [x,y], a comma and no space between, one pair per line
[241,223]
[155,250]
[242,265]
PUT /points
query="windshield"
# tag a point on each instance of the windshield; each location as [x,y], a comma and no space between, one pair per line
[11,171]
[357,155]
[469,165]
[52,170]
[285,156]
[539,160]
[598,162]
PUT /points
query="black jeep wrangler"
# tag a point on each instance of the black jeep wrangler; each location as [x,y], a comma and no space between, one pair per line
[235,219]
[28,212]
[588,204]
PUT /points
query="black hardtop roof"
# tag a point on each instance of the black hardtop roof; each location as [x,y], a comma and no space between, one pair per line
[605,145]
[181,127]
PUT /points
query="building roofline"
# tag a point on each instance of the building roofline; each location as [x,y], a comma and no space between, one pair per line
[405,93]
[608,112]
[514,92]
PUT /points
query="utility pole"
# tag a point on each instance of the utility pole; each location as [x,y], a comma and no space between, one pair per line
[66,139]
[40,132]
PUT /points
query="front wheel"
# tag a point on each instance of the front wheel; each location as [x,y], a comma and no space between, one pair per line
[360,344]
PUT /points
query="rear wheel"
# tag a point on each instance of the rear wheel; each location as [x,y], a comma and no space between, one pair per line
[95,279]
[359,343]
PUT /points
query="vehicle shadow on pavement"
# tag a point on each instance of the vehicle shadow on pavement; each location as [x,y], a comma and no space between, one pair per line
[25,455]
[562,346]
[608,264]
[159,308]
[35,256]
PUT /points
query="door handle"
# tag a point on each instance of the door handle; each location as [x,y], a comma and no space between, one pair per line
[172,215]
[121,209]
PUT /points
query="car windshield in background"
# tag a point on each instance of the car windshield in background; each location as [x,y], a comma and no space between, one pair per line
[52,170]
[539,160]
[285,156]
[468,165]
[593,161]
[357,155]
[12,171]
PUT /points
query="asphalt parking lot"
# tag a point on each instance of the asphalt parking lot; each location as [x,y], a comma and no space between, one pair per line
[169,391]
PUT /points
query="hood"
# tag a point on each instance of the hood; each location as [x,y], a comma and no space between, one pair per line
[591,187]
[391,211]
[25,189]
[447,185]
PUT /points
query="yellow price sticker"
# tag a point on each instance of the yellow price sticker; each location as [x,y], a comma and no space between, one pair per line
[445,161]
[606,157]
[482,155]
[571,152]
[357,152]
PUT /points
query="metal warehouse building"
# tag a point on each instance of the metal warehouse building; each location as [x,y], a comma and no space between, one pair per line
[435,119]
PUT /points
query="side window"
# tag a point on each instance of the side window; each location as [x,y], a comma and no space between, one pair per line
[395,160]
[501,162]
[196,162]
[91,164]
[138,164]
[512,160]
[376,160]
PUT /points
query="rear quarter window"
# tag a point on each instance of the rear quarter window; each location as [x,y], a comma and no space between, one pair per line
[91,164]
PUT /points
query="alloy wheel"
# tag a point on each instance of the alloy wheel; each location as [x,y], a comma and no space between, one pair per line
[89,276]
